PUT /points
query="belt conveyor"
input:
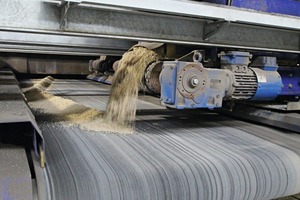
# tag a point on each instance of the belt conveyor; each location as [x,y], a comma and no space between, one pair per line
[172,155]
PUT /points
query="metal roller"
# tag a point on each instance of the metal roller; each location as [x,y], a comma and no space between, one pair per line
[151,78]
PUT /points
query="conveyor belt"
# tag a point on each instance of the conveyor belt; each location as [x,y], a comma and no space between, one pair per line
[172,155]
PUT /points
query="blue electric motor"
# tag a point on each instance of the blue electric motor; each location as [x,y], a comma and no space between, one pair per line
[190,85]
[262,73]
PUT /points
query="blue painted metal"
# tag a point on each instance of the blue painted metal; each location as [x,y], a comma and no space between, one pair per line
[176,94]
[214,85]
[235,58]
[168,80]
[290,81]
[268,79]
[288,7]
[268,84]
[100,78]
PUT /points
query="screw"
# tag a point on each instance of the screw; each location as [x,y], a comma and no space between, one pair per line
[194,81]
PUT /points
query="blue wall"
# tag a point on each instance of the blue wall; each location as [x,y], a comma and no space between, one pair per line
[289,7]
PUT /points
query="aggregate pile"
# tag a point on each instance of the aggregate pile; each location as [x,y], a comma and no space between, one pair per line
[66,111]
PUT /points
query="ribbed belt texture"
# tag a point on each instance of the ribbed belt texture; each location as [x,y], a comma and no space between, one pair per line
[172,155]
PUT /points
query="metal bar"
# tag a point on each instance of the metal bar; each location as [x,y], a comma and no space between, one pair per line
[203,10]
[124,42]
[289,121]
[33,41]
[177,29]
[14,109]
[95,29]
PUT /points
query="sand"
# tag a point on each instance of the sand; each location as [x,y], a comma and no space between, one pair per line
[127,81]
[68,112]
[36,92]
[121,109]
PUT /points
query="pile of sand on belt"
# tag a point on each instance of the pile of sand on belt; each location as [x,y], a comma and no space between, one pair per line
[127,80]
[68,112]
[36,92]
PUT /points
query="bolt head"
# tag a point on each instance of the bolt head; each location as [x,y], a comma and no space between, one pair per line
[195,81]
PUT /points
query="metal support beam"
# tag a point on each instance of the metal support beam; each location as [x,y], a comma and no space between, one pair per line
[65,6]
[94,27]
[292,106]
[61,43]
[14,110]
[212,28]
[289,121]
[185,22]
[202,10]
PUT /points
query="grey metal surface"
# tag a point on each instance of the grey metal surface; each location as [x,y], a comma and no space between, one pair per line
[2,63]
[41,184]
[60,43]
[285,120]
[14,109]
[174,29]
[293,106]
[171,155]
[192,8]
[46,65]
[15,177]
[33,26]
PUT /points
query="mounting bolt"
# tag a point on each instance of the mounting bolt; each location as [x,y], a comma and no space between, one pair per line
[194,81]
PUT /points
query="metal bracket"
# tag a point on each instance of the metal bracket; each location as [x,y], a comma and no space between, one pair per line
[193,56]
[211,28]
[293,106]
[65,6]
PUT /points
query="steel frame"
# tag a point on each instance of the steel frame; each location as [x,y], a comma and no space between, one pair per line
[125,22]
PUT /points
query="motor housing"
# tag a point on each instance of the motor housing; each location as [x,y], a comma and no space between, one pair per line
[190,85]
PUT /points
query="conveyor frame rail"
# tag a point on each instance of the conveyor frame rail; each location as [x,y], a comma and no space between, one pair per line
[14,110]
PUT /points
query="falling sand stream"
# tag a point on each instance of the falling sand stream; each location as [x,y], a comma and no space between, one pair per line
[121,108]
[127,80]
